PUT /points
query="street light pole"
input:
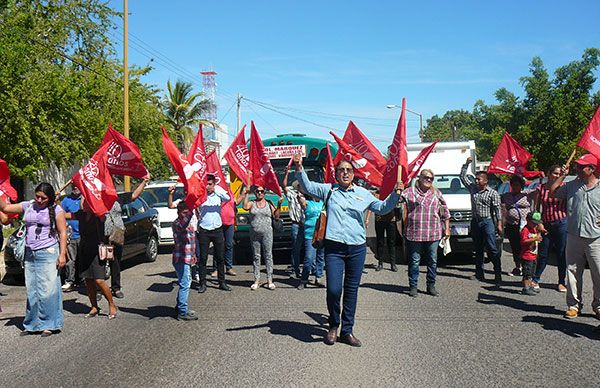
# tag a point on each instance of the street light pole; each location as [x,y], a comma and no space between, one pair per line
[392,106]
[127,181]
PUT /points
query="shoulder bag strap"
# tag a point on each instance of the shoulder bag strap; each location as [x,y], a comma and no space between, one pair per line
[327,199]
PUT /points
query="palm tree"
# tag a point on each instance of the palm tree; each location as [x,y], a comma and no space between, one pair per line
[183,110]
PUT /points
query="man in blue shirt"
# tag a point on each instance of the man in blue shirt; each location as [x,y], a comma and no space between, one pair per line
[210,229]
[72,204]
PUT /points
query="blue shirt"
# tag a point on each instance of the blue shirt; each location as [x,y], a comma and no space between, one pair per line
[311,214]
[346,208]
[72,205]
[209,213]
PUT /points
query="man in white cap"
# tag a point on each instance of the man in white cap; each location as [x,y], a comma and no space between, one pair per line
[583,231]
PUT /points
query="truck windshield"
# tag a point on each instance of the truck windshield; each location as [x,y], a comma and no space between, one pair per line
[449,184]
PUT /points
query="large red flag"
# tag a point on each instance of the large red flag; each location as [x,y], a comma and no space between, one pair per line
[329,167]
[362,168]
[124,157]
[398,156]
[197,159]
[214,167]
[361,144]
[6,190]
[260,165]
[95,183]
[415,166]
[237,156]
[511,158]
[590,140]
[195,188]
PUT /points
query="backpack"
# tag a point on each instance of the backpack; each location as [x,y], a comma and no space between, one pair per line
[16,241]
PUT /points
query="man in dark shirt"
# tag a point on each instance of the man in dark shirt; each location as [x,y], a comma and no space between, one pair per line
[485,221]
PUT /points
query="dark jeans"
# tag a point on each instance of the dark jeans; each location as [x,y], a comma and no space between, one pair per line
[513,234]
[115,269]
[427,249]
[385,231]
[344,264]
[228,253]
[483,233]
[556,237]
[297,243]
[205,237]
[528,267]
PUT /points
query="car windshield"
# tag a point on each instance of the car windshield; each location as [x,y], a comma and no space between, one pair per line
[159,196]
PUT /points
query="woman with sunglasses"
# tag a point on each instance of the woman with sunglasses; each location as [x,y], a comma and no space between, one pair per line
[262,211]
[345,241]
[45,255]
[427,220]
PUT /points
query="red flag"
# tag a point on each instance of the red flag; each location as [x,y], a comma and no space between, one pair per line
[195,188]
[329,167]
[95,183]
[361,144]
[362,168]
[6,190]
[398,156]
[124,157]
[237,156]
[510,158]
[590,140]
[213,167]
[260,165]
[197,158]
[415,166]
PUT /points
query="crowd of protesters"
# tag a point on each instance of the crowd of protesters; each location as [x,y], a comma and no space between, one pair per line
[559,215]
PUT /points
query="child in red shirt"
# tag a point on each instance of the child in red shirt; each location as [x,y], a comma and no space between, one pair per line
[531,235]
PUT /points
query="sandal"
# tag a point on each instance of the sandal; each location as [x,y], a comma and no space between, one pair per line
[254,286]
[47,333]
[271,286]
[113,316]
[91,314]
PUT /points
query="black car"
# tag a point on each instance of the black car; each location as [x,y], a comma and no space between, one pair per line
[141,234]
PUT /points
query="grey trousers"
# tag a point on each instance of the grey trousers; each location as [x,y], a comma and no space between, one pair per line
[262,245]
[71,268]
[579,252]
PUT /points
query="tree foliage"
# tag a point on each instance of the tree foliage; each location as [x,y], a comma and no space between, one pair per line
[61,84]
[548,121]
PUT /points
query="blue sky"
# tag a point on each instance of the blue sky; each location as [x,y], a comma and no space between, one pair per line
[352,58]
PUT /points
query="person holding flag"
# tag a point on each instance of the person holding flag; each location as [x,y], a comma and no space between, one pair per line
[485,207]
[45,256]
[582,196]
[345,241]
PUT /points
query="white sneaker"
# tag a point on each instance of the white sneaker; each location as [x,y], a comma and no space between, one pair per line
[67,286]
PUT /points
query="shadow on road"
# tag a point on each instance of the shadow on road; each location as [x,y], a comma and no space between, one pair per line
[304,332]
[14,321]
[75,307]
[517,304]
[162,287]
[386,287]
[151,312]
[570,328]
[170,274]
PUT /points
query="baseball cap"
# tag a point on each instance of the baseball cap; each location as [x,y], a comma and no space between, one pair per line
[587,160]
[535,217]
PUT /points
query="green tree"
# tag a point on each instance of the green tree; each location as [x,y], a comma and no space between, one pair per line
[184,109]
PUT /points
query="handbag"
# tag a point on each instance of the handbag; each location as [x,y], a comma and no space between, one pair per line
[106,252]
[321,226]
[277,224]
[16,241]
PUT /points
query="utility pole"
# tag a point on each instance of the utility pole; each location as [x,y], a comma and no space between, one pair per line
[127,182]
[239,112]
[454,133]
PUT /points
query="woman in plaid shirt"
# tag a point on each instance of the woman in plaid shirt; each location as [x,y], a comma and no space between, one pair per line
[184,256]
[424,229]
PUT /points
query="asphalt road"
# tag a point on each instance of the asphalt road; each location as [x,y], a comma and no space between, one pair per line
[473,334]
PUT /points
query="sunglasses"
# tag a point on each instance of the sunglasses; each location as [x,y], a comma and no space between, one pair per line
[347,170]
[259,191]
[427,178]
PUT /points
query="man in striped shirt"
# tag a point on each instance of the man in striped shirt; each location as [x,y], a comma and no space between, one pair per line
[485,206]
[184,256]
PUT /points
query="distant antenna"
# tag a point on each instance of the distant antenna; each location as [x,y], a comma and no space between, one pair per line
[209,88]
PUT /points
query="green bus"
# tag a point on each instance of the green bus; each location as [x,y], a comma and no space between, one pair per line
[280,149]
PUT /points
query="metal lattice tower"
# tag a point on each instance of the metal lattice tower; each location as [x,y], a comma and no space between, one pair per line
[209,88]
